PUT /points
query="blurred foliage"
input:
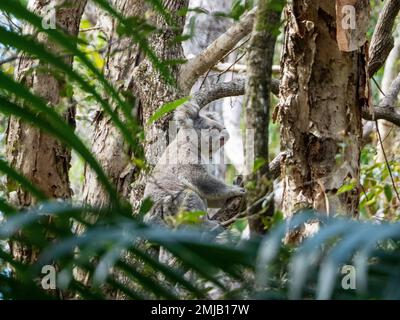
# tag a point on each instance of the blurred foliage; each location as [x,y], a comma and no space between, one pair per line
[210,264]
[378,199]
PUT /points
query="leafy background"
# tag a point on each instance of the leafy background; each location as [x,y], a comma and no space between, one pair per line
[208,264]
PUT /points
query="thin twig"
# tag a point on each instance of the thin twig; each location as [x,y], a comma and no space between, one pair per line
[381,141]
[378,86]
[386,160]
[268,197]
[90,29]
[231,66]
[233,50]
[381,91]
[9,59]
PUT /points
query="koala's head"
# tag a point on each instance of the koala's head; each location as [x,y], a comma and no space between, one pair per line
[204,124]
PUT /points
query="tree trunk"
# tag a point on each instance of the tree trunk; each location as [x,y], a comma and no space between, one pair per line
[108,145]
[257,106]
[41,158]
[131,72]
[127,70]
[322,91]
[153,90]
[107,142]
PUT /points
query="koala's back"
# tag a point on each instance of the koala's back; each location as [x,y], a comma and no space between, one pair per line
[181,180]
[171,174]
[165,180]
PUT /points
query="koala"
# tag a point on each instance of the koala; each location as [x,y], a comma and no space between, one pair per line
[181,180]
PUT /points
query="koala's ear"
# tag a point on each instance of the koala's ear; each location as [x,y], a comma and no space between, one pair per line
[186,114]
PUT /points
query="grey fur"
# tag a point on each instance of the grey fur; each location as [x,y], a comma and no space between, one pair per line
[181,181]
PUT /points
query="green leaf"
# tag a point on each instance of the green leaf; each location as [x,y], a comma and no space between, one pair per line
[145,207]
[237,9]
[147,282]
[388,192]
[189,217]
[131,30]
[346,188]
[166,108]
[258,164]
[168,272]
[159,7]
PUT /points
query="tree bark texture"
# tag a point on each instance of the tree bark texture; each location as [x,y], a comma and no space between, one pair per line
[38,156]
[107,142]
[130,71]
[257,104]
[382,41]
[153,91]
[321,94]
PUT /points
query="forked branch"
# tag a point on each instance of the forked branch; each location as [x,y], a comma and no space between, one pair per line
[218,49]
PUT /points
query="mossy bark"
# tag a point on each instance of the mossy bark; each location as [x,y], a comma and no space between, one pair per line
[257,107]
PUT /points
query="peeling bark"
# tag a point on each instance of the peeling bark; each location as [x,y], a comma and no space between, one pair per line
[322,92]
[351,37]
[108,144]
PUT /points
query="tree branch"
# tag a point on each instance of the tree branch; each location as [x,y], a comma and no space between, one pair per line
[275,165]
[226,89]
[228,213]
[239,68]
[382,113]
[218,49]
[385,110]
[231,89]
[382,40]
[391,96]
